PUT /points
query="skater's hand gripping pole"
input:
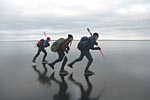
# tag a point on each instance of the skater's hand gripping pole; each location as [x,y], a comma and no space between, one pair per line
[97,45]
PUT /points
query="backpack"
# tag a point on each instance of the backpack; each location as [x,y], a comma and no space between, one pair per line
[40,42]
[56,45]
[83,43]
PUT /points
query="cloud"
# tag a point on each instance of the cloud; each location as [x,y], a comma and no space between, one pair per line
[111,18]
[135,10]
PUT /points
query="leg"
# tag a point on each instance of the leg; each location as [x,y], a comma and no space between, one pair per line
[61,55]
[89,57]
[64,63]
[77,60]
[45,54]
[38,53]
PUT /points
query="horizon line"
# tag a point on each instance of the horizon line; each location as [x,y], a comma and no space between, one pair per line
[78,40]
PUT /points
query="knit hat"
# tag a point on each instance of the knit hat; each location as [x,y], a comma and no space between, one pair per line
[70,36]
[48,38]
[95,34]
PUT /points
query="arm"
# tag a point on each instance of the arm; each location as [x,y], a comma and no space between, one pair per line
[45,43]
[93,42]
[65,46]
[96,48]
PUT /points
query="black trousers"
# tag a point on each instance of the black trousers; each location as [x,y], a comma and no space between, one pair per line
[40,49]
[88,56]
[61,56]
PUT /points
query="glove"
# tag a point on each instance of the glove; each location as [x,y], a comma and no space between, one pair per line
[66,51]
[98,48]
[48,44]
[96,43]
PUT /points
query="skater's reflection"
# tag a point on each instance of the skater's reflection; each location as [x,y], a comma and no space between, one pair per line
[43,78]
[85,94]
[63,86]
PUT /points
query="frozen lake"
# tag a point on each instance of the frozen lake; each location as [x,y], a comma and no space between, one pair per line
[124,76]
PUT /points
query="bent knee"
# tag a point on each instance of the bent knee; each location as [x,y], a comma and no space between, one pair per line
[45,53]
[91,59]
[60,59]
[79,59]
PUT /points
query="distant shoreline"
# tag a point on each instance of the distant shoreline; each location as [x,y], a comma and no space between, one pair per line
[73,40]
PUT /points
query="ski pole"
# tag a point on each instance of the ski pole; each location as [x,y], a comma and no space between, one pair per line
[97,45]
[102,54]
[46,37]
[45,34]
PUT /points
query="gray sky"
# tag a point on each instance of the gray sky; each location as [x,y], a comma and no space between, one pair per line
[113,19]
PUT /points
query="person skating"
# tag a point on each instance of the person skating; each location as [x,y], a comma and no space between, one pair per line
[62,48]
[42,44]
[84,46]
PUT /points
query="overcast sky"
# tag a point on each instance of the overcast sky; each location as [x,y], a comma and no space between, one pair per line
[113,19]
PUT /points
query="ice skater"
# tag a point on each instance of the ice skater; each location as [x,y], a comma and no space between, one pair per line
[85,44]
[42,44]
[61,49]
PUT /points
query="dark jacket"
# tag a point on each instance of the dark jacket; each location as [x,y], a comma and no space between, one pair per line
[91,43]
[45,43]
